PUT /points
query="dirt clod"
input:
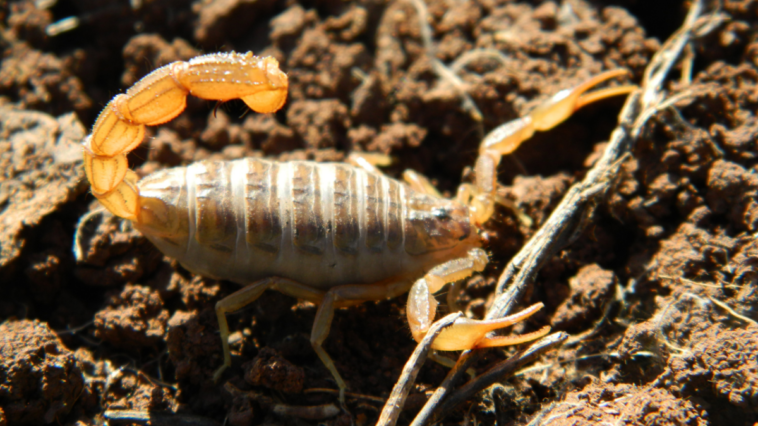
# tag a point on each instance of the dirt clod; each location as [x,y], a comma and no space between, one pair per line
[626,403]
[271,370]
[40,377]
[193,345]
[722,364]
[135,317]
[590,291]
[41,171]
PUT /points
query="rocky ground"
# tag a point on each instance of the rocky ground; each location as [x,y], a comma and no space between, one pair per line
[659,292]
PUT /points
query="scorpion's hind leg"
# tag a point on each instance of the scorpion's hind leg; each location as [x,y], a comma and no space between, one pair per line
[464,333]
[247,295]
[342,296]
[506,138]
[369,161]
[420,183]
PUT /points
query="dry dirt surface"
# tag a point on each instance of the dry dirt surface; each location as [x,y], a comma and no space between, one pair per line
[659,292]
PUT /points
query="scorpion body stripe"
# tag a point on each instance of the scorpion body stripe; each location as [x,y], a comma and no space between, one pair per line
[394,215]
[317,223]
[239,191]
[263,229]
[190,207]
[308,229]
[374,213]
[216,221]
[345,211]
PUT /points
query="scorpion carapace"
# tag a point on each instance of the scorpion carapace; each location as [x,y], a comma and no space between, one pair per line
[333,234]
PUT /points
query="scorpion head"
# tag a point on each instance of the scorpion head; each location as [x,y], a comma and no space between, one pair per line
[435,224]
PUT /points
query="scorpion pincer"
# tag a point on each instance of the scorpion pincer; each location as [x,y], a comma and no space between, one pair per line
[332,234]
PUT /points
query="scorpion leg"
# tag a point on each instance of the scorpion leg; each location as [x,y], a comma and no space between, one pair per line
[369,160]
[506,138]
[420,183]
[464,333]
[342,296]
[247,295]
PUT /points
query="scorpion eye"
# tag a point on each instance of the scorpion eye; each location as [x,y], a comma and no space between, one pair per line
[441,213]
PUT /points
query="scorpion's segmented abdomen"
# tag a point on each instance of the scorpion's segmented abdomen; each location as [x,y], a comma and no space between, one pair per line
[333,222]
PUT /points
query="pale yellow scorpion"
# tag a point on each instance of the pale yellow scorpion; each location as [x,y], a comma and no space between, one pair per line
[331,233]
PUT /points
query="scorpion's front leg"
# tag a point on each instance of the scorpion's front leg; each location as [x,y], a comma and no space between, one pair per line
[506,138]
[465,333]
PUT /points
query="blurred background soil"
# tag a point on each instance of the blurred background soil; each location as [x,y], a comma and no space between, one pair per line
[659,293]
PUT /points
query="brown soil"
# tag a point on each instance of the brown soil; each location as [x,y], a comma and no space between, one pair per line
[660,291]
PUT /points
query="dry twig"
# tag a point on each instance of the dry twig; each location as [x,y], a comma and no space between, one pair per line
[308,412]
[395,402]
[500,371]
[156,418]
[443,71]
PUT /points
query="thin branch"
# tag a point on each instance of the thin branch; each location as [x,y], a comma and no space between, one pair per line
[395,402]
[157,418]
[729,309]
[464,362]
[307,412]
[443,72]
[500,372]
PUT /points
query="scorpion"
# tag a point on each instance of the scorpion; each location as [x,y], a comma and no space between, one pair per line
[334,234]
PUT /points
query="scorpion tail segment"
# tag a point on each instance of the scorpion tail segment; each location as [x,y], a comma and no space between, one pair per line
[274,95]
[469,334]
[161,96]
[105,173]
[268,101]
[157,98]
[112,134]
[224,76]
[123,200]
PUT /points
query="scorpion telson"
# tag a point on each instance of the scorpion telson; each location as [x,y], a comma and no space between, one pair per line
[332,234]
